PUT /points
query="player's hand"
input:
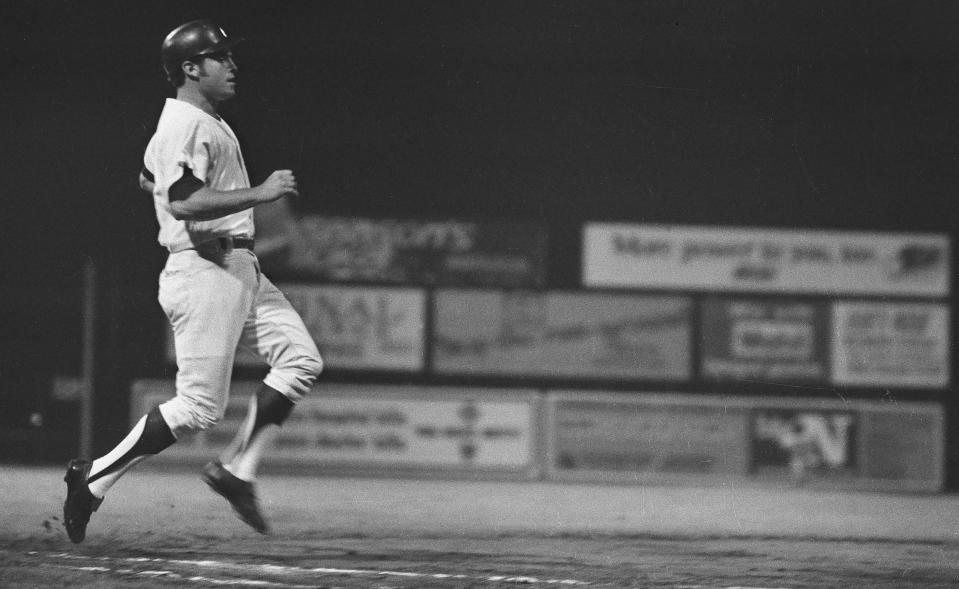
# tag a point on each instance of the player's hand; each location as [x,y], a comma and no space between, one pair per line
[146,184]
[279,184]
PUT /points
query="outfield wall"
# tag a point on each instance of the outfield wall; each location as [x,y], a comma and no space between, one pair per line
[685,355]
[640,438]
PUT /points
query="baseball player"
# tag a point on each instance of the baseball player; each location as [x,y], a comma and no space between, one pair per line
[211,288]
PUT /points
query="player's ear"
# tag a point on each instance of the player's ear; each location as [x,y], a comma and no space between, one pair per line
[191,69]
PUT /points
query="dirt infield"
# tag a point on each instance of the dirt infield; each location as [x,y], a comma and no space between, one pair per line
[160,529]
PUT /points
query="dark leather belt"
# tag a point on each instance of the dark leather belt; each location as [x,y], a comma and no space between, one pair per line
[245,243]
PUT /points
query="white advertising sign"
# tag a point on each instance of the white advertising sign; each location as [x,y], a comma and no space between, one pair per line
[891,344]
[764,260]
[379,426]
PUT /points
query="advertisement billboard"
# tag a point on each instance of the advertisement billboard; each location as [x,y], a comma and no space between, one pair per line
[645,436]
[379,427]
[674,438]
[764,260]
[765,340]
[891,344]
[862,444]
[404,252]
[800,443]
[902,443]
[588,335]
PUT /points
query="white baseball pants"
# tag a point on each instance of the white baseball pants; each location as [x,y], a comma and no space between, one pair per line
[218,300]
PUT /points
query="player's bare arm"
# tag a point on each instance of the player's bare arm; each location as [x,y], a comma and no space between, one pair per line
[203,203]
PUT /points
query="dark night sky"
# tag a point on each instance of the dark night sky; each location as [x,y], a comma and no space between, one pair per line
[769,113]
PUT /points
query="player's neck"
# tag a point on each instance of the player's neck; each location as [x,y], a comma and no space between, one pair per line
[192,95]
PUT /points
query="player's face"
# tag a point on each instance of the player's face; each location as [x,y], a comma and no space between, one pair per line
[218,75]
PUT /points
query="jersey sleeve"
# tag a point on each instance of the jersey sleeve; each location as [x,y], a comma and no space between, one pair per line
[194,152]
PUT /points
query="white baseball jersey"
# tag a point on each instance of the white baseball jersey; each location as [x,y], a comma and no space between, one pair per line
[187,137]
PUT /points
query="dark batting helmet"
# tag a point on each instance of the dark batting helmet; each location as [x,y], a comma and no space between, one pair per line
[190,40]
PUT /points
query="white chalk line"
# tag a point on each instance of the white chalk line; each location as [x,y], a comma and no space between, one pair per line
[192,579]
[278,570]
[712,587]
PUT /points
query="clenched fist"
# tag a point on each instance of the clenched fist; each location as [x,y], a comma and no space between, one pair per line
[279,184]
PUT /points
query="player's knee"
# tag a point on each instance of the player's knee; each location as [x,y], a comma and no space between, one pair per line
[296,376]
[186,415]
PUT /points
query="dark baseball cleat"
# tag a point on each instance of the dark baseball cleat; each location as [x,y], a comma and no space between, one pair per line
[80,501]
[238,492]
